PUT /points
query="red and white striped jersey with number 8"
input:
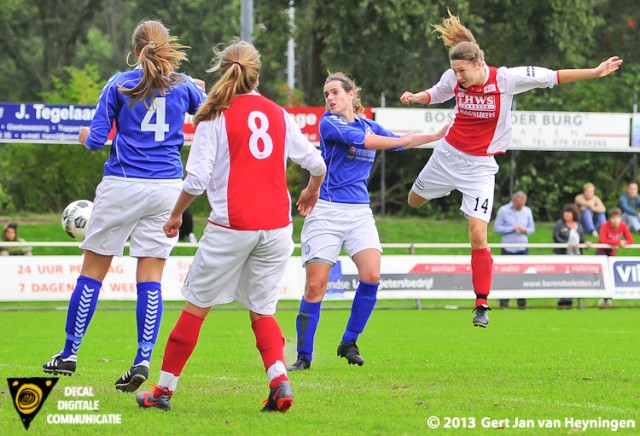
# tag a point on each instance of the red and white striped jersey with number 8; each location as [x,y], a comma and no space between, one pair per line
[240,158]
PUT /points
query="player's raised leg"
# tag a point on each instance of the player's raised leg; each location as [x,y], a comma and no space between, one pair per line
[82,306]
[481,270]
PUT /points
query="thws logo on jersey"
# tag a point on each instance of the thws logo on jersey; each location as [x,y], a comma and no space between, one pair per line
[626,273]
[476,102]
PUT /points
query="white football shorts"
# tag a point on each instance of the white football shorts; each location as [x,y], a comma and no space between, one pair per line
[332,226]
[449,169]
[239,265]
[134,209]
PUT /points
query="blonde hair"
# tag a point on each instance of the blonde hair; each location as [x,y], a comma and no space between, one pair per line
[159,55]
[348,84]
[239,65]
[589,185]
[461,42]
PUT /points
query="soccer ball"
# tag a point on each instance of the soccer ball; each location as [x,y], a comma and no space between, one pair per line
[75,218]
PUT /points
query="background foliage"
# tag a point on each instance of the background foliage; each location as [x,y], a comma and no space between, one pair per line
[63,52]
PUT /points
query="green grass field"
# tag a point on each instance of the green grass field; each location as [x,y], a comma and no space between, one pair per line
[540,364]
[537,364]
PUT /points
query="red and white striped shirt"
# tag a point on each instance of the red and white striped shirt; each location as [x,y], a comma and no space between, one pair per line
[482,121]
[240,159]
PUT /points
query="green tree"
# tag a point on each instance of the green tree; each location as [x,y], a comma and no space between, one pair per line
[387,47]
[39,38]
[49,176]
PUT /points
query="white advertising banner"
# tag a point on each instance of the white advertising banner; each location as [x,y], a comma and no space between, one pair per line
[626,277]
[579,131]
[449,277]
[52,278]
[635,131]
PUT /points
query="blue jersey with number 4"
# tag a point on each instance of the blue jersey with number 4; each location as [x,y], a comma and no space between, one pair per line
[348,162]
[148,139]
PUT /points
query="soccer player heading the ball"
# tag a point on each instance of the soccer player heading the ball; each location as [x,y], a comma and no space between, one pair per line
[343,217]
[239,156]
[142,180]
[464,158]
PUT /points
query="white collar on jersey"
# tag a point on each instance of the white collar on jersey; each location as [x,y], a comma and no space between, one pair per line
[486,73]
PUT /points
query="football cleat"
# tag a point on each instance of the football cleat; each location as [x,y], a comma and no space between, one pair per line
[480,316]
[132,379]
[159,398]
[350,351]
[58,365]
[280,398]
[300,365]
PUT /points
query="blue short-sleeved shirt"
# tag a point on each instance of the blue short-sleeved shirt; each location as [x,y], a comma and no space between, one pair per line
[148,140]
[348,162]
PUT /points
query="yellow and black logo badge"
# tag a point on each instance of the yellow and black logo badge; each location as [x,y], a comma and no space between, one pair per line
[29,394]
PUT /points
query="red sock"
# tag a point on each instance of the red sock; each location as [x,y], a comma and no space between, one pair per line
[270,343]
[158,391]
[481,273]
[182,341]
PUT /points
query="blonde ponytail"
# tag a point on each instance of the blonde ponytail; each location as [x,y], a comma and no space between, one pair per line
[239,65]
[460,41]
[159,55]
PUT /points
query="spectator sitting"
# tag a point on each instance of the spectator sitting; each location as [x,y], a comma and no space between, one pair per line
[629,202]
[615,233]
[569,230]
[592,209]
[10,234]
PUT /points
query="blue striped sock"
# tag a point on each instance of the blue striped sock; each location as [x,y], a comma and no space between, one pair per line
[148,317]
[82,306]
[306,326]
[361,309]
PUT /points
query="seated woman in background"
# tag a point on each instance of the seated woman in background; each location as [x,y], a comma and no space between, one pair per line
[569,230]
[10,234]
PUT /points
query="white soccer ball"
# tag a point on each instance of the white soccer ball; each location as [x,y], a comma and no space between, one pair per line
[75,218]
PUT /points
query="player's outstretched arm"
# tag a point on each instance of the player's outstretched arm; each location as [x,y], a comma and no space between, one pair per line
[379,142]
[409,97]
[604,69]
[421,139]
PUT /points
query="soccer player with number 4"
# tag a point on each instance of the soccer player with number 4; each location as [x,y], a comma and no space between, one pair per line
[142,180]
[239,157]
[464,158]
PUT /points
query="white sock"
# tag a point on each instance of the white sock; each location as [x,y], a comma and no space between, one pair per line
[168,380]
[276,370]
